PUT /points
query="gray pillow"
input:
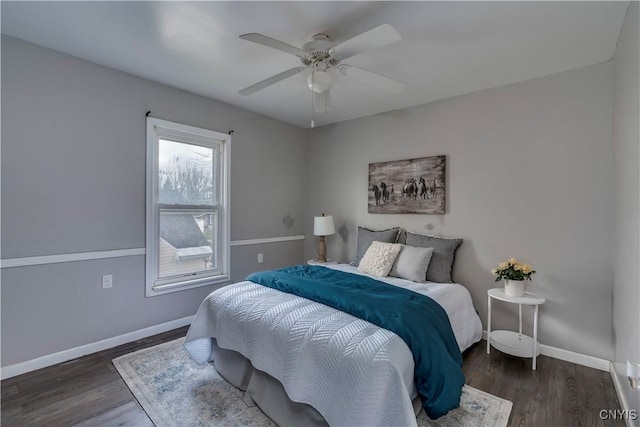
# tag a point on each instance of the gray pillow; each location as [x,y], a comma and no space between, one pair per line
[412,263]
[444,255]
[366,236]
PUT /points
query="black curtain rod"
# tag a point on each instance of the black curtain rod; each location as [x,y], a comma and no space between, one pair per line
[149,112]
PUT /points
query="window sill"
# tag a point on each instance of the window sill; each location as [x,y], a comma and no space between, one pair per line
[187,284]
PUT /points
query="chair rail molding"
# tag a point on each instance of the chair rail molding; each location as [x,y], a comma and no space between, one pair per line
[116,253]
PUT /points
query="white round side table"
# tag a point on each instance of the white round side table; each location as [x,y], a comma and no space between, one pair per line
[315,262]
[510,342]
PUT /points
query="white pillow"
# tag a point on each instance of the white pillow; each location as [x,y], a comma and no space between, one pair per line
[412,263]
[379,258]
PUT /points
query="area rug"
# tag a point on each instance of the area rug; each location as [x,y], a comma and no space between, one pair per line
[175,391]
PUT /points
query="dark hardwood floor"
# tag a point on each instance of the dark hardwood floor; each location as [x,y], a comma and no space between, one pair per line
[558,393]
[89,391]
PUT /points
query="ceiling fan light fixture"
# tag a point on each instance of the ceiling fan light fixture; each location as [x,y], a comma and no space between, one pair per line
[320,81]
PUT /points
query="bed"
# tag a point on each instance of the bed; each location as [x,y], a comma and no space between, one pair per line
[305,363]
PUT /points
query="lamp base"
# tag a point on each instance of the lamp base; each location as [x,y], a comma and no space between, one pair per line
[322,250]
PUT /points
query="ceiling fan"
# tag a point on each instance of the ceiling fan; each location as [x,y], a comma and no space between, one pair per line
[323,58]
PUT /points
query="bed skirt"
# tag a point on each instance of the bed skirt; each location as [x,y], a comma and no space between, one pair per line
[266,392]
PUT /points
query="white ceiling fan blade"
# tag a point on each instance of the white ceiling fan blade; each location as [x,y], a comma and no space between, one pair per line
[321,101]
[271,80]
[377,37]
[373,79]
[273,43]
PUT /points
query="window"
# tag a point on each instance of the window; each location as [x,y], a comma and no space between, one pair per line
[187,207]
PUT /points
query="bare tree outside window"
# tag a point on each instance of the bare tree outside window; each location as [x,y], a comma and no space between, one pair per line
[186,174]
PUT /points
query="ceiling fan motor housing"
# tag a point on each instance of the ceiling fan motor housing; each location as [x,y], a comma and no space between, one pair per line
[319,50]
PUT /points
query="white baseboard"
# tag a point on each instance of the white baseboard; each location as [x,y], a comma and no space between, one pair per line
[73,353]
[622,397]
[570,356]
[83,350]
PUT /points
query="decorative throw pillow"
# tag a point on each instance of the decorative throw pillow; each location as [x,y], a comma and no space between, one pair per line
[379,258]
[366,236]
[444,255]
[412,263]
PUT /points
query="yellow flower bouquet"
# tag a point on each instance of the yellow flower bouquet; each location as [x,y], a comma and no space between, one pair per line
[512,269]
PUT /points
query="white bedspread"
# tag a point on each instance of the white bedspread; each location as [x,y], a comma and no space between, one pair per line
[351,371]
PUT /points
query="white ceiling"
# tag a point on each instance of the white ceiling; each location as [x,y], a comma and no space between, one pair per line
[447,48]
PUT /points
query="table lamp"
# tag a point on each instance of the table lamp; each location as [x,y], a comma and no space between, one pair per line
[322,227]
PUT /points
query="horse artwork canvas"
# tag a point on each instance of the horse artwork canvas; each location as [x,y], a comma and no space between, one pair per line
[408,186]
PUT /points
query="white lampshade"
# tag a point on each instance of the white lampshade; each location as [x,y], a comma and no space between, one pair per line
[323,226]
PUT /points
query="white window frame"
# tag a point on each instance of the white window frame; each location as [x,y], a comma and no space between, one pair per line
[162,129]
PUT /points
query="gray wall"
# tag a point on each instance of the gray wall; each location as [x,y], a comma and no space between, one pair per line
[529,174]
[626,208]
[73,180]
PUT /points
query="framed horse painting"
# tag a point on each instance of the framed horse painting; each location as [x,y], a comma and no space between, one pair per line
[408,186]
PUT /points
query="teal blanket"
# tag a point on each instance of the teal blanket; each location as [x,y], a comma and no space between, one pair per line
[420,321]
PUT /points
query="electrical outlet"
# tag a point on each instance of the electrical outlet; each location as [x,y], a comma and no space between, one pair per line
[260,258]
[107,281]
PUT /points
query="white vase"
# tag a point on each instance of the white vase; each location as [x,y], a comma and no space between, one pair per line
[514,288]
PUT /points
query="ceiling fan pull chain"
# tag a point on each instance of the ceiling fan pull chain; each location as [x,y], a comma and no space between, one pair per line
[313,93]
